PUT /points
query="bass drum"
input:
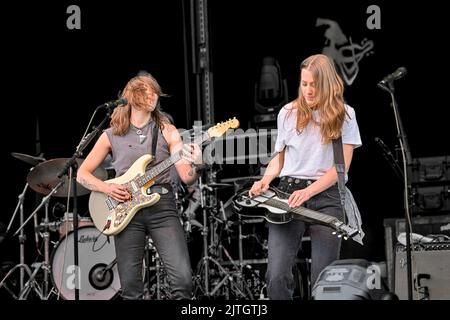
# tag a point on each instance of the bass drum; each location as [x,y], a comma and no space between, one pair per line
[98,275]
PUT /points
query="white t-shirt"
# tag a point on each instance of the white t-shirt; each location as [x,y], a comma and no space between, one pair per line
[306,157]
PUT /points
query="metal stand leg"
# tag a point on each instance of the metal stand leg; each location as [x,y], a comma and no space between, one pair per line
[22,239]
[231,282]
[31,284]
[162,289]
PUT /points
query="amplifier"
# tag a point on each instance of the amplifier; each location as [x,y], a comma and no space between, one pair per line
[430,274]
[432,246]
[426,225]
[430,171]
[431,200]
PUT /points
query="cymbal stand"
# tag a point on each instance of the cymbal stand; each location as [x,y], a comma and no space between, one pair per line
[31,283]
[207,249]
[161,288]
[205,258]
[46,266]
[22,238]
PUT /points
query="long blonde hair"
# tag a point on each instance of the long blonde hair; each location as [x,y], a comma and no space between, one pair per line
[135,93]
[329,98]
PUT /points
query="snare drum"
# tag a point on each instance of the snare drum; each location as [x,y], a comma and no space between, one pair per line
[66,224]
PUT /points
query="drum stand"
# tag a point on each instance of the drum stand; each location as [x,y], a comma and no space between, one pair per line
[21,266]
[237,287]
[162,290]
[31,284]
[43,291]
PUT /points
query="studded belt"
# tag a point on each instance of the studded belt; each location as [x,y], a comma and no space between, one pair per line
[296,183]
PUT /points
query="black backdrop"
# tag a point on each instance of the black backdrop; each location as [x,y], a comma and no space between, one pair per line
[58,76]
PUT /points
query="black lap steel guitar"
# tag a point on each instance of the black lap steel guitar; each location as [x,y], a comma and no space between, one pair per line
[274,209]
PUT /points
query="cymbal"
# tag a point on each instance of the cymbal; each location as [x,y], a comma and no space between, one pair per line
[44,177]
[27,158]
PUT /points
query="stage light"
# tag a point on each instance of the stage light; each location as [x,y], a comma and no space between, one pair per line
[271,90]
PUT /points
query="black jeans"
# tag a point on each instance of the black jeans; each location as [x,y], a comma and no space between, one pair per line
[285,241]
[162,224]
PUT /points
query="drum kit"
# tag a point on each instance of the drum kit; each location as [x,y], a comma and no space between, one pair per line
[221,270]
[54,276]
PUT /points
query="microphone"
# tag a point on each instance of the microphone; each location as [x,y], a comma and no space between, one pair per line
[390,157]
[397,74]
[114,103]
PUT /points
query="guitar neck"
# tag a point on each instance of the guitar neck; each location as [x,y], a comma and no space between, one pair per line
[302,211]
[166,164]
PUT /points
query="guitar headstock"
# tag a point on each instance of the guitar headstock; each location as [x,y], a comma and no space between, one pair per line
[219,129]
[344,231]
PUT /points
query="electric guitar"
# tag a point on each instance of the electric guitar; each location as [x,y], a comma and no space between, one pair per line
[111,216]
[276,210]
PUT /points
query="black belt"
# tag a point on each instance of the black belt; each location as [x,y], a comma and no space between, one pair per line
[162,188]
[296,182]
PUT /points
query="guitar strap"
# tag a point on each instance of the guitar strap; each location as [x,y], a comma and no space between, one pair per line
[155,138]
[340,169]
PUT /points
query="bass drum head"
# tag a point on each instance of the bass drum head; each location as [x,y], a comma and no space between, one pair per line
[95,252]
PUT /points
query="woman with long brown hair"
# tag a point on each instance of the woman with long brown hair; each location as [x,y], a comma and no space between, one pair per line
[305,164]
[131,135]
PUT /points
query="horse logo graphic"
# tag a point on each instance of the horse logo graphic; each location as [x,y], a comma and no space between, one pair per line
[345,54]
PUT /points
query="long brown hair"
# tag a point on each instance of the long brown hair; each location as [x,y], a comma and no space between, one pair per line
[329,98]
[135,93]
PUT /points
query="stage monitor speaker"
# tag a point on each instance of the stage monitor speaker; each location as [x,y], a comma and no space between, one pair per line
[351,279]
[430,275]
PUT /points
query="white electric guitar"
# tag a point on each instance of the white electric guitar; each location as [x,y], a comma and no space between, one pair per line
[111,216]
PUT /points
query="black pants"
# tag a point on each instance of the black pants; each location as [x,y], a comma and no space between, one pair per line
[285,241]
[162,224]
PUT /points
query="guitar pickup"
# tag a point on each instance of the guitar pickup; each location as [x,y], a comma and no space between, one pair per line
[134,186]
[111,203]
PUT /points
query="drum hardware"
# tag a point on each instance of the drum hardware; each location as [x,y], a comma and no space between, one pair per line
[31,284]
[211,276]
[161,289]
[192,198]
[24,268]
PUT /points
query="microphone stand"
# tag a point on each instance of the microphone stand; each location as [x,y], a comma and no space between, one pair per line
[73,165]
[407,161]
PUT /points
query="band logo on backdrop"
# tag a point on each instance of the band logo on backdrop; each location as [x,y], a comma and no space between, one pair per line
[345,53]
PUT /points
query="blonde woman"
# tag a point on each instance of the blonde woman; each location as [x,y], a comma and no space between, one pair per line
[305,164]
